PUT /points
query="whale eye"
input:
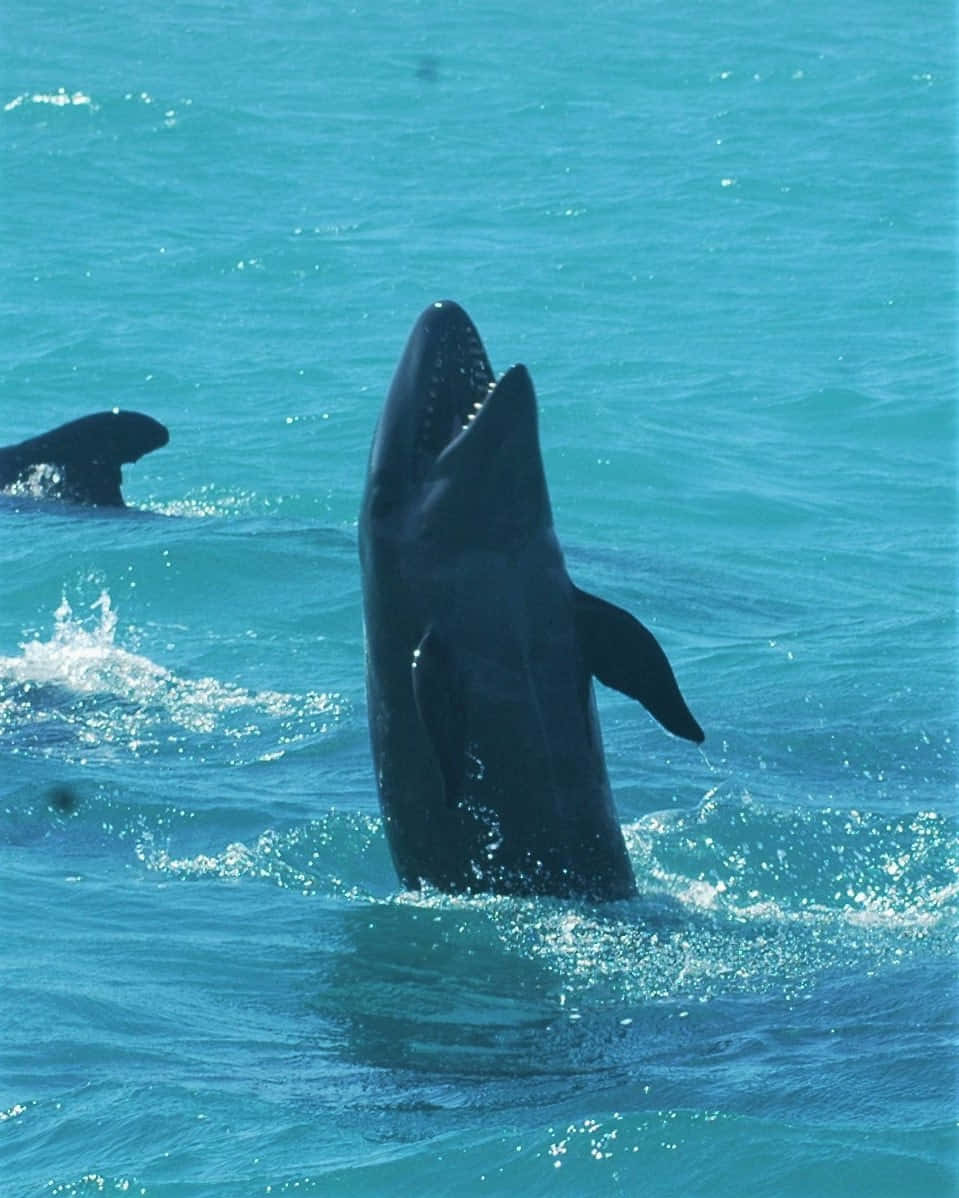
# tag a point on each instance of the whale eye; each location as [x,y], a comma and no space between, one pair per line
[382,497]
[381,503]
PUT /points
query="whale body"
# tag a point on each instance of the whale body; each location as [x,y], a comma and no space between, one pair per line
[481,651]
[82,461]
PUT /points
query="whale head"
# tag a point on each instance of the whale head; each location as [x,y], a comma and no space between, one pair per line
[456,450]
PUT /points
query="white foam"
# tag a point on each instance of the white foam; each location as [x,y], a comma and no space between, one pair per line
[83,658]
[61,98]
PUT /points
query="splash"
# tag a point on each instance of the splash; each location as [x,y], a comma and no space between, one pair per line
[39,482]
[61,98]
[739,898]
[746,860]
[207,500]
[339,855]
[85,660]
[82,686]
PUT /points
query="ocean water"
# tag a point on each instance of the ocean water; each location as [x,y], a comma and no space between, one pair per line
[723,241]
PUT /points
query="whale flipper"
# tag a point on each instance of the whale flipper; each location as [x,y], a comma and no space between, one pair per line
[81,461]
[441,712]
[623,654]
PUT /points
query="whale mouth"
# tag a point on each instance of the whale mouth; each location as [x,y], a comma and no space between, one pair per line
[454,444]
[458,384]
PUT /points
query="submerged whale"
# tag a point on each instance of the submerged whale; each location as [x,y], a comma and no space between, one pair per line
[480,649]
[81,461]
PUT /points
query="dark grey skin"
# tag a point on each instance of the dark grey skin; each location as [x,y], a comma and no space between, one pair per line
[81,461]
[480,650]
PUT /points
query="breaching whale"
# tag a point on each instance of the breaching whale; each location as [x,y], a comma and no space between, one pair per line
[480,649]
[81,461]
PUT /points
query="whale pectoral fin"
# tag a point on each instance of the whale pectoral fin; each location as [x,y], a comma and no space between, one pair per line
[441,711]
[625,655]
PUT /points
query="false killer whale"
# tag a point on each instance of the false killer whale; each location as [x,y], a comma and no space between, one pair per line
[480,650]
[80,461]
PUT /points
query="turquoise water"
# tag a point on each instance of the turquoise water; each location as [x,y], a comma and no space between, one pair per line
[723,242]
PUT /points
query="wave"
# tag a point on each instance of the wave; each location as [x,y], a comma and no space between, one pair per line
[724,909]
[739,896]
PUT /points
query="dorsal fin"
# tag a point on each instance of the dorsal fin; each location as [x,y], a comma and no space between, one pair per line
[85,455]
